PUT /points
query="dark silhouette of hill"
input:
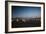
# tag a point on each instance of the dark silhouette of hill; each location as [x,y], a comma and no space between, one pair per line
[26,22]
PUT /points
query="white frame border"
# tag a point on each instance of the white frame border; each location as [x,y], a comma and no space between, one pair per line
[10,29]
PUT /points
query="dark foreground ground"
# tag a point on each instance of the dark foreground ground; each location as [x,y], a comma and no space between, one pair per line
[28,23]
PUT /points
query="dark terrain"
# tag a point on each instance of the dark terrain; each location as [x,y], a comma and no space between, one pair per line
[26,22]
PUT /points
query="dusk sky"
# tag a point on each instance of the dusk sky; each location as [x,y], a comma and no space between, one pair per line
[25,11]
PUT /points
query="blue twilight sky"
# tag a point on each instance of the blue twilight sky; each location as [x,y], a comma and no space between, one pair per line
[26,11]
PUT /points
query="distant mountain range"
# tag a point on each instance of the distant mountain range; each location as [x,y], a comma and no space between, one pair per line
[37,18]
[28,17]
